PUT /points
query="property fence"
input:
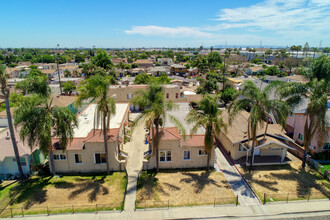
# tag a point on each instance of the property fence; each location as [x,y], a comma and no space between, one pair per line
[166,204]
[48,210]
[12,194]
[287,197]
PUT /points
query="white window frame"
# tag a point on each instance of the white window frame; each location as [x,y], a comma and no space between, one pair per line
[74,157]
[188,154]
[22,160]
[204,153]
[100,153]
[166,154]
[59,156]
[302,136]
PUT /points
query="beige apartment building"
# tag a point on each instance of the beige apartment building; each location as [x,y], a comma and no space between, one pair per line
[122,93]
[175,151]
[86,153]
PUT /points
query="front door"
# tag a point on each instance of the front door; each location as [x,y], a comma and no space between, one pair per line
[257,152]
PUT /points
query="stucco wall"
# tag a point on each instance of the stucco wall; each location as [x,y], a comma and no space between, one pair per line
[88,159]
[196,160]
[9,166]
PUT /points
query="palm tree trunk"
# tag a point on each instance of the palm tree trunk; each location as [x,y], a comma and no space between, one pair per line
[105,130]
[252,153]
[208,161]
[307,139]
[51,160]
[156,142]
[12,135]
[267,122]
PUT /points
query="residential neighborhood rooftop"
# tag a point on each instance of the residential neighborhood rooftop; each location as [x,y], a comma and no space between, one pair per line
[86,119]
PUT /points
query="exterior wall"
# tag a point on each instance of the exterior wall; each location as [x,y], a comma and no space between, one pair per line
[88,164]
[9,167]
[267,150]
[121,92]
[196,160]
[299,123]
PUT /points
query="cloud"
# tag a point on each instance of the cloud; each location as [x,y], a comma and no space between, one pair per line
[153,30]
[278,16]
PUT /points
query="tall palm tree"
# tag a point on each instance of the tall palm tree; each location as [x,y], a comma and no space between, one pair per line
[6,93]
[257,101]
[96,87]
[38,119]
[155,113]
[317,92]
[209,117]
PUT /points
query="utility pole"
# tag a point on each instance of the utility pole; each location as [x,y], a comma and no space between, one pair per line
[58,72]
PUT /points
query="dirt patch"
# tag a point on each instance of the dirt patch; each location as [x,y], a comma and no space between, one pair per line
[283,182]
[184,188]
[72,190]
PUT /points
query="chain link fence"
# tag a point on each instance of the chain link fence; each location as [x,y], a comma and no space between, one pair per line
[287,197]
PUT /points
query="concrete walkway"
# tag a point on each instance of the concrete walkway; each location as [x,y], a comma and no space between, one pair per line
[135,150]
[317,209]
[235,180]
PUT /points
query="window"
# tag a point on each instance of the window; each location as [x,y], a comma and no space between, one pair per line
[167,95]
[176,95]
[114,96]
[300,116]
[100,158]
[59,157]
[186,155]
[129,96]
[22,159]
[165,156]
[202,153]
[241,147]
[77,158]
[326,146]
[300,137]
[291,114]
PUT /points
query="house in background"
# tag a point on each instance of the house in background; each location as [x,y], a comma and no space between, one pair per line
[158,70]
[144,63]
[254,70]
[295,128]
[175,151]
[179,70]
[86,153]
[28,157]
[269,150]
[165,61]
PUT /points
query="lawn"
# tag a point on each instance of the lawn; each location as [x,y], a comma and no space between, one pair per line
[326,166]
[59,193]
[182,188]
[282,182]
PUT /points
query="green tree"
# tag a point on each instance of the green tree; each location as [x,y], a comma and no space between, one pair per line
[97,87]
[214,60]
[207,86]
[154,114]
[38,119]
[272,70]
[228,94]
[326,50]
[320,69]
[135,65]
[102,59]
[79,58]
[35,82]
[6,94]
[68,87]
[142,78]
[209,117]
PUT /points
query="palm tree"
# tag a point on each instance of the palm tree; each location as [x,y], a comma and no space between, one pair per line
[96,87]
[257,101]
[314,51]
[38,119]
[155,113]
[209,117]
[6,93]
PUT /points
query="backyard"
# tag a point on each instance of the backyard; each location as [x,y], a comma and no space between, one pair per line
[182,188]
[287,182]
[57,194]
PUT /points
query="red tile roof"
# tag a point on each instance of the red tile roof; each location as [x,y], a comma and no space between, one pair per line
[194,141]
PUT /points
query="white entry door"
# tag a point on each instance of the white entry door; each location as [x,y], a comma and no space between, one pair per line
[257,152]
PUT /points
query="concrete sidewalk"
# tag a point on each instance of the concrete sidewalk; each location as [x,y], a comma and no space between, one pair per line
[235,180]
[135,150]
[295,209]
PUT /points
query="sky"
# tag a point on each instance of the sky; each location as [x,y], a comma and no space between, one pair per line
[171,23]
